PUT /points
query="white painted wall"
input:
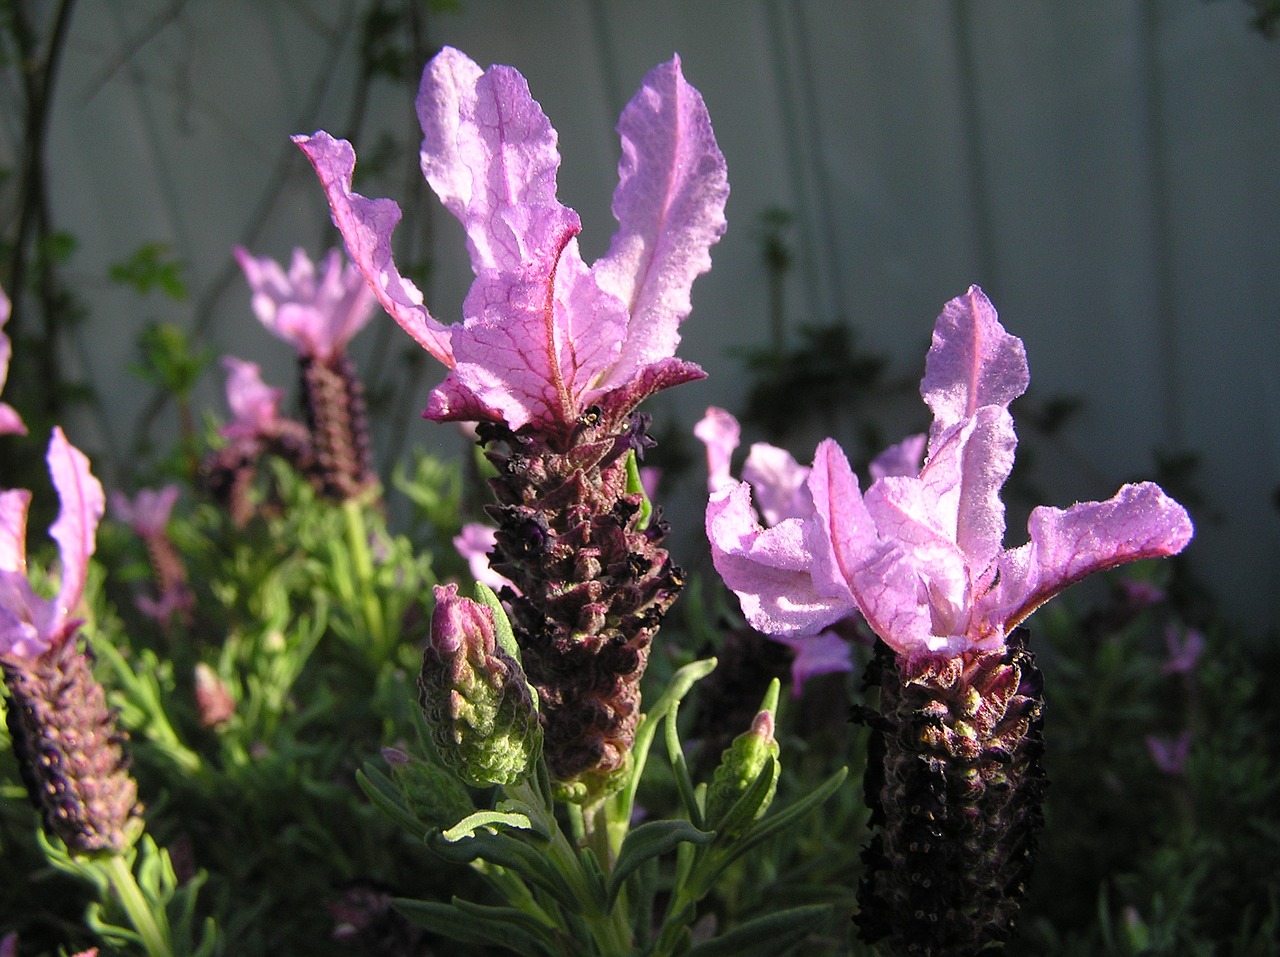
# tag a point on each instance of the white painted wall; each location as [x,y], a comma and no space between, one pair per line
[1107,171]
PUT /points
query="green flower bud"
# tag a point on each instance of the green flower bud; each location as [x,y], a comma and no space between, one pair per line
[752,753]
[480,709]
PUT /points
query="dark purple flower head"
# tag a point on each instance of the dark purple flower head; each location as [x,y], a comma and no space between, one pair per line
[920,555]
[544,336]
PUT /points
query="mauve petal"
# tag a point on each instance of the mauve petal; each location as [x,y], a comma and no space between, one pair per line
[13,530]
[972,362]
[719,431]
[840,534]
[475,543]
[769,569]
[1139,521]
[148,512]
[10,422]
[254,405]
[905,458]
[669,204]
[83,503]
[893,599]
[487,147]
[646,381]
[778,481]
[366,225]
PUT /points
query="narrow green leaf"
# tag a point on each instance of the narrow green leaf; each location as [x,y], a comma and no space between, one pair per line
[526,856]
[742,814]
[765,936]
[635,486]
[684,783]
[381,790]
[496,928]
[649,841]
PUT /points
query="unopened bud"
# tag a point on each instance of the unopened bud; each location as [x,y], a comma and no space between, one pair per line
[213,701]
[751,754]
[473,692]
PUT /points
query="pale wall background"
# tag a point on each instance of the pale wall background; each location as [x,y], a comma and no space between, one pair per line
[1108,171]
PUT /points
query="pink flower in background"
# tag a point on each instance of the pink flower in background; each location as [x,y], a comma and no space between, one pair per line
[544,336]
[921,555]
[1170,753]
[31,625]
[475,543]
[148,512]
[10,421]
[317,312]
[255,406]
[719,431]
[1185,648]
[821,654]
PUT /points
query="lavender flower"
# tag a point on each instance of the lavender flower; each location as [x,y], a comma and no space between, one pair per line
[920,556]
[64,735]
[318,314]
[551,358]
[10,421]
[148,514]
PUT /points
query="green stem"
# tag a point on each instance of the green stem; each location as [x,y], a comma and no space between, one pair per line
[362,561]
[153,932]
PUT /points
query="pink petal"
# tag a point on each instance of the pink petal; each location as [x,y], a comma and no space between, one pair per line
[10,422]
[316,314]
[487,148]
[475,543]
[148,512]
[366,225]
[964,475]
[1139,521]
[778,482]
[904,458]
[973,362]
[254,405]
[719,432]
[1170,754]
[13,530]
[769,569]
[83,503]
[670,209]
[841,535]
[1185,653]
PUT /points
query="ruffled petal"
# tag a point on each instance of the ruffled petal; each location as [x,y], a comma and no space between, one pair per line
[1139,521]
[487,148]
[769,569]
[972,362]
[75,531]
[904,458]
[719,431]
[669,204]
[778,481]
[366,225]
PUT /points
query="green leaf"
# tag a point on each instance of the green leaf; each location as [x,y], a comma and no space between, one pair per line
[740,816]
[765,936]
[527,857]
[634,487]
[649,841]
[381,790]
[487,819]
[499,926]
[684,783]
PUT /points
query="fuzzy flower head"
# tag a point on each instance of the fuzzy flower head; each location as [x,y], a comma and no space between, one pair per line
[10,422]
[544,336]
[921,555]
[317,311]
[31,625]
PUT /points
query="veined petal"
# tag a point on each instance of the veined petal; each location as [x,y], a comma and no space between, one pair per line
[366,225]
[895,602]
[535,341]
[1139,521]
[719,431]
[841,535]
[670,210]
[83,503]
[487,148]
[769,569]
[972,362]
